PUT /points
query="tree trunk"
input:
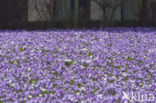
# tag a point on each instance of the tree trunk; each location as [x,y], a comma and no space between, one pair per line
[144,12]
[104,19]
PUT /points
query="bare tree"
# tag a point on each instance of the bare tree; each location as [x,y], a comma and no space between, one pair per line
[45,10]
[153,9]
[112,5]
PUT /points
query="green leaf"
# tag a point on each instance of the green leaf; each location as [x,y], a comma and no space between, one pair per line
[56,52]
[94,79]
[120,67]
[126,78]
[56,73]
[141,62]
[110,45]
[33,81]
[72,82]
[81,53]
[90,53]
[110,58]
[43,51]
[109,74]
[150,75]
[129,58]
[11,62]
[85,65]
[79,85]
[151,65]
[111,91]
[110,81]
[25,79]
[54,85]
[21,49]
[117,101]
[83,92]
[99,77]
[75,91]
[126,70]
[94,66]
[95,90]
[48,92]
[8,52]
[85,44]
[101,92]
[63,53]
[47,50]
[68,63]
[17,61]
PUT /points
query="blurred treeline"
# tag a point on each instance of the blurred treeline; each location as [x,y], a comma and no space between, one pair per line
[45,14]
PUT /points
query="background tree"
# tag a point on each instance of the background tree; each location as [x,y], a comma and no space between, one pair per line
[46,10]
[153,8]
[112,5]
[143,12]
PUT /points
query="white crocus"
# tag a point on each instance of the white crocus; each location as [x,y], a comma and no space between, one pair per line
[100,95]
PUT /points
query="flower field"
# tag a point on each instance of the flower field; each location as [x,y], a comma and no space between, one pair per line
[76,66]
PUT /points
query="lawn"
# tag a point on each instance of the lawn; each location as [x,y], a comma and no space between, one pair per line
[81,66]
